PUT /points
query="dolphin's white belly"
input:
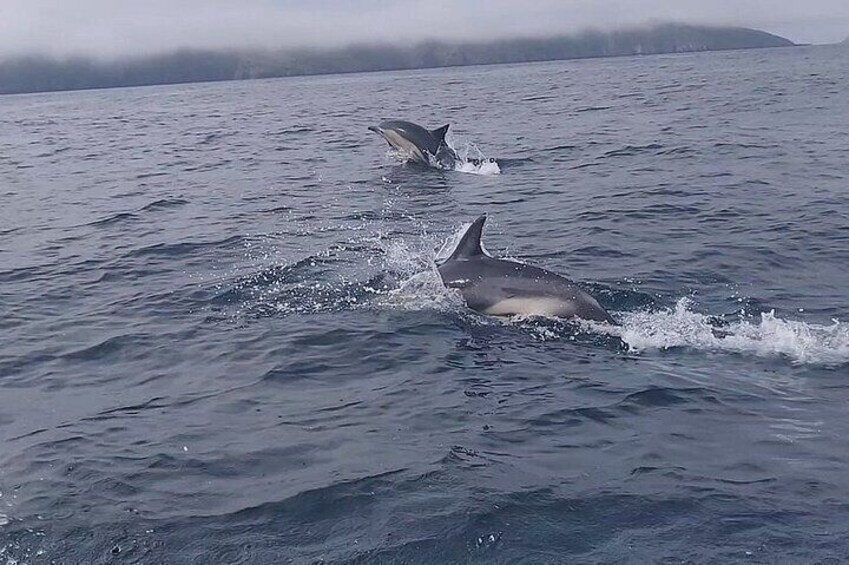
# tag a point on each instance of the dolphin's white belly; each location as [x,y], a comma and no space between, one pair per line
[531,306]
[404,145]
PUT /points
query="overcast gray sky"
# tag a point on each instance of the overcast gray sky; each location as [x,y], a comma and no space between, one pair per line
[120,27]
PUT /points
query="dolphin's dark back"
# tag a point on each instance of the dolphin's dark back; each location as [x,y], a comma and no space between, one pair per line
[422,137]
[498,287]
[470,244]
[439,133]
[430,142]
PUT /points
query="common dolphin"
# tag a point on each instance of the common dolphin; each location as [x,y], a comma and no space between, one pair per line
[417,143]
[504,288]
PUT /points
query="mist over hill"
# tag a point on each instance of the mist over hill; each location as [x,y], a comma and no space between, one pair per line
[37,73]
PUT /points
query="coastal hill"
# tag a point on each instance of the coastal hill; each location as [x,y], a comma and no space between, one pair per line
[39,73]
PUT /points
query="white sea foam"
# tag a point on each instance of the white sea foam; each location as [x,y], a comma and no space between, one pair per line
[486,167]
[471,159]
[799,341]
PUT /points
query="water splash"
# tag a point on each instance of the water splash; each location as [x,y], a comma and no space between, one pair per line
[368,270]
[486,167]
[414,263]
[423,291]
[801,342]
[471,159]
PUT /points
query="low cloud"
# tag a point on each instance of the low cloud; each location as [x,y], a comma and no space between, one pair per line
[110,28]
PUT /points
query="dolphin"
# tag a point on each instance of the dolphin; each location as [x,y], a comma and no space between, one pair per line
[417,143]
[506,288]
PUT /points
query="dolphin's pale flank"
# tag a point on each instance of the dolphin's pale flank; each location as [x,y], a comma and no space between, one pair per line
[417,143]
[505,288]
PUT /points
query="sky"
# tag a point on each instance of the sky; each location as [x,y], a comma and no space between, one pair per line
[115,28]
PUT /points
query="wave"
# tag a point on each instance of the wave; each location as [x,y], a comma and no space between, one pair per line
[113,219]
[802,343]
[630,150]
[184,247]
[121,217]
[681,327]
[163,203]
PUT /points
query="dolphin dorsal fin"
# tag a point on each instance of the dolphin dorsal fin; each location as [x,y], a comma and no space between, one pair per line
[470,243]
[439,133]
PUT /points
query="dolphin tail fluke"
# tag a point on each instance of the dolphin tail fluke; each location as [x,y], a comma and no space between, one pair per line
[470,243]
[439,133]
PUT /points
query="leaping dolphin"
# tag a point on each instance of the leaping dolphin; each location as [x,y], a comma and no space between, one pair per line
[504,288]
[417,143]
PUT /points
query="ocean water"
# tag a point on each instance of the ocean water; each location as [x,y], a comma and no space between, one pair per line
[224,339]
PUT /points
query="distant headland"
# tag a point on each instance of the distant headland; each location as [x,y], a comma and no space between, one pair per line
[37,73]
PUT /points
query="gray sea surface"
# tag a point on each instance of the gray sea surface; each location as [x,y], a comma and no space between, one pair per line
[224,339]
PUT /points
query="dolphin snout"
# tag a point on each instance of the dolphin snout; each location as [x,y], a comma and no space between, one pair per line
[375,129]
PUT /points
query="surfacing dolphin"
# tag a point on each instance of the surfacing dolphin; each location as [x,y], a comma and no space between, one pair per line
[417,143]
[505,288]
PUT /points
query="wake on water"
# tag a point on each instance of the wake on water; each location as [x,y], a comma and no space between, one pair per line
[681,327]
[408,280]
